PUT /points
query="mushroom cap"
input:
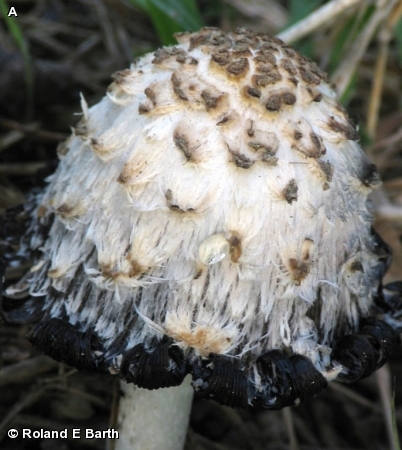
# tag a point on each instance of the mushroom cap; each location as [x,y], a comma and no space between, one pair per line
[212,205]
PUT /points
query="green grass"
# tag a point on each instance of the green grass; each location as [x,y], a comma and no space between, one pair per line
[171,16]
[298,10]
[398,39]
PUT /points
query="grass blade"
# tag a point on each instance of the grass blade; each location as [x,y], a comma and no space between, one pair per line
[19,39]
[170,16]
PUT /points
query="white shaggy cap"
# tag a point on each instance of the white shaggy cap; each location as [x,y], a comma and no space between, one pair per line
[216,195]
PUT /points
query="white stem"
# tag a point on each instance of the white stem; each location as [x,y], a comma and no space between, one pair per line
[154,420]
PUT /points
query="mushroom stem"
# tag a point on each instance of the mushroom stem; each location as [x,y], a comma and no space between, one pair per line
[151,420]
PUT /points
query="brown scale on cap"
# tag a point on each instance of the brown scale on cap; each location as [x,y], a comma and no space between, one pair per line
[182,143]
[287,65]
[299,270]
[143,108]
[235,246]
[208,36]
[222,57]
[274,102]
[135,269]
[238,68]
[241,49]
[252,92]
[266,71]
[327,169]
[185,59]
[305,141]
[268,67]
[308,77]
[173,206]
[210,100]
[131,170]
[206,339]
[316,96]
[356,266]
[264,60]
[265,57]
[151,94]
[120,76]
[291,52]
[177,87]
[290,191]
[181,59]
[241,160]
[346,128]
[100,148]
[266,153]
[288,98]
[266,79]
[253,145]
[294,81]
[162,54]
[69,211]
[318,145]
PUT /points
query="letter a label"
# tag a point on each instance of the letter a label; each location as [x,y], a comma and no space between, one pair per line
[12,12]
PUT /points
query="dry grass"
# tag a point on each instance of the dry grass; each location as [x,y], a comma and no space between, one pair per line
[74,47]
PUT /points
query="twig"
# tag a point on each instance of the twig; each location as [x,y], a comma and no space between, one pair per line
[84,48]
[347,68]
[378,82]
[384,385]
[315,20]
[21,169]
[326,432]
[48,42]
[396,183]
[25,370]
[387,142]
[107,29]
[32,128]
[287,414]
[305,433]
[114,413]
[12,137]
[384,39]
[354,396]
[268,12]
[95,400]
[390,212]
[24,402]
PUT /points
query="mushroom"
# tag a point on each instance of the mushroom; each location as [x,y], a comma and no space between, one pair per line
[209,217]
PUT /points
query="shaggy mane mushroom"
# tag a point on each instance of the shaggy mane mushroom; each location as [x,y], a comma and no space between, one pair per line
[209,218]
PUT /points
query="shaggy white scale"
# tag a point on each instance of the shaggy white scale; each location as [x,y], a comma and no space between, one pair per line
[213,203]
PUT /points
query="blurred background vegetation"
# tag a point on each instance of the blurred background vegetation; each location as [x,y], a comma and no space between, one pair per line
[56,49]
